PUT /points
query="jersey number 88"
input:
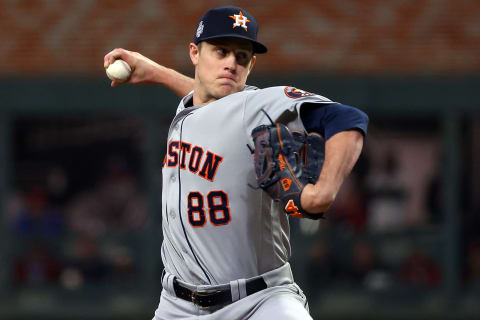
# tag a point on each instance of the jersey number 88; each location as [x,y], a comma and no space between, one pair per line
[218,210]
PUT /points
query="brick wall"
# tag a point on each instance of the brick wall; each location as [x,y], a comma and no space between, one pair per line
[360,37]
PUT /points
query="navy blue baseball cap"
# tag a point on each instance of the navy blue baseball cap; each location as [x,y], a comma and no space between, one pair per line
[229,22]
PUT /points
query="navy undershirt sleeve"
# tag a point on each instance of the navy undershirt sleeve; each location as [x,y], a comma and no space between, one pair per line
[332,118]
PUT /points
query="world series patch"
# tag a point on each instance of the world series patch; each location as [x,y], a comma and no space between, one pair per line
[294,93]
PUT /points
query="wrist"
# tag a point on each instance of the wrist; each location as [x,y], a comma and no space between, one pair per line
[315,199]
[158,74]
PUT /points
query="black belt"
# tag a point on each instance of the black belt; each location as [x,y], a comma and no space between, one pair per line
[205,299]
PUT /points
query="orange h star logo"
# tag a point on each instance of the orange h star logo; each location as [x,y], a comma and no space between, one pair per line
[240,20]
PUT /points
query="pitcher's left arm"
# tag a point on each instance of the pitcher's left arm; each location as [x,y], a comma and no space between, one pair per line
[344,129]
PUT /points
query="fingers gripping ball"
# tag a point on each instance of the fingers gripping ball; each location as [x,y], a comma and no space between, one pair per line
[285,162]
[119,71]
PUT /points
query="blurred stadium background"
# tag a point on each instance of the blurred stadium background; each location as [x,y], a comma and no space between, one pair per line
[80,176]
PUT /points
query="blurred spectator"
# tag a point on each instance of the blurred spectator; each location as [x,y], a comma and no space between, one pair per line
[387,196]
[420,270]
[36,266]
[57,184]
[115,204]
[121,260]
[87,260]
[363,261]
[119,193]
[36,218]
[84,215]
[366,269]
[90,265]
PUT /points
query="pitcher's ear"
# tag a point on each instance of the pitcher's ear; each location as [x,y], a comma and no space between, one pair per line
[194,53]
[252,64]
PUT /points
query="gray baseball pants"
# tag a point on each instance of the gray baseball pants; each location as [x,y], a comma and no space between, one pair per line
[282,300]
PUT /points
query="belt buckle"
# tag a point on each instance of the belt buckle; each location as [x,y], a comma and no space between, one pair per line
[197,295]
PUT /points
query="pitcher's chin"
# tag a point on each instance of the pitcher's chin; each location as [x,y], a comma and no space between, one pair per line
[226,89]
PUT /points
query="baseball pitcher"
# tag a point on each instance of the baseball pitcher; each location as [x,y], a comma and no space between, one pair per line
[241,161]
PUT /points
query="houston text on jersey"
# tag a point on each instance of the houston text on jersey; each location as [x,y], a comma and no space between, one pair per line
[198,162]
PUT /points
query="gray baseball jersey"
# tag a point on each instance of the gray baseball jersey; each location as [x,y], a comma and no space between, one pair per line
[217,228]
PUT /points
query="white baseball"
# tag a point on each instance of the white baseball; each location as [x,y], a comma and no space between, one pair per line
[119,71]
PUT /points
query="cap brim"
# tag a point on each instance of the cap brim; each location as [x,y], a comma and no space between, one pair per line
[257,46]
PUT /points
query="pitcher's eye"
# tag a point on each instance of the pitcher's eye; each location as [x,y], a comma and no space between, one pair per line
[222,51]
[242,58]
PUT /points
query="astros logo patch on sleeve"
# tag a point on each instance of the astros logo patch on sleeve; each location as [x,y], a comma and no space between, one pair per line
[294,93]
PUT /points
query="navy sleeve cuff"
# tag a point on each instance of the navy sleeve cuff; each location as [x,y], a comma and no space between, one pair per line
[332,118]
